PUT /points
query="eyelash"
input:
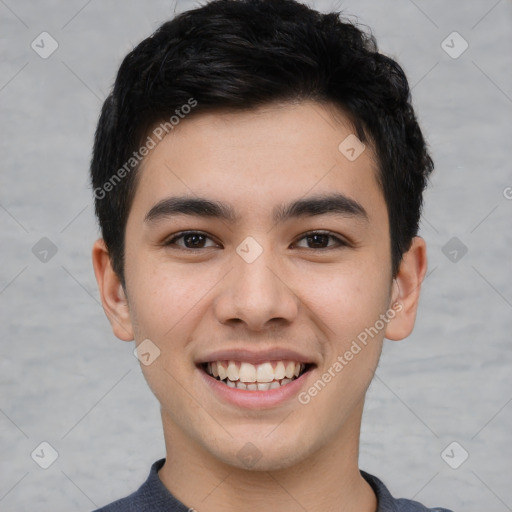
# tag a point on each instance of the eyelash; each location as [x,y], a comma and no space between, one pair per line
[339,241]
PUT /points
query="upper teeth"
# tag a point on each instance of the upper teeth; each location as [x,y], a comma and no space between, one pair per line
[247,372]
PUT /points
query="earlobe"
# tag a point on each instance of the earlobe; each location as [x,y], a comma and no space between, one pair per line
[406,290]
[113,296]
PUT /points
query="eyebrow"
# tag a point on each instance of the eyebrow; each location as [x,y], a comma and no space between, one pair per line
[337,204]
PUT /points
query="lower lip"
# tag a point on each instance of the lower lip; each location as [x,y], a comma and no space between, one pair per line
[255,399]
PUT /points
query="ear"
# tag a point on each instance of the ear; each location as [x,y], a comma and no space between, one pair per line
[406,290]
[113,296]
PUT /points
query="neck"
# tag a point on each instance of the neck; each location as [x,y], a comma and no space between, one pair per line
[327,479]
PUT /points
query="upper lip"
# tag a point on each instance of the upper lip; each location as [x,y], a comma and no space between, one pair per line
[255,356]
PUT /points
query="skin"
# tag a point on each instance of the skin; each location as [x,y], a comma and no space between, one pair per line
[316,300]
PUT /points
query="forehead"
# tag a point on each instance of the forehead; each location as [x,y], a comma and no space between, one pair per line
[260,158]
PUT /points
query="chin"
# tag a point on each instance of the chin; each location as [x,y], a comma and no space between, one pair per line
[257,453]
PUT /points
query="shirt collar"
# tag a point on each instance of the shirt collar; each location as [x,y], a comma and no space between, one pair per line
[159,496]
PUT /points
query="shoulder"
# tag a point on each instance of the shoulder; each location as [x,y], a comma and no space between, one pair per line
[404,505]
[126,504]
[136,502]
[389,504]
[151,495]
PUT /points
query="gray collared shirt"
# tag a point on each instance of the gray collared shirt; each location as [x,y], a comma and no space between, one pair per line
[153,496]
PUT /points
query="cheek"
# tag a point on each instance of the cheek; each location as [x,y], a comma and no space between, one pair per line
[162,300]
[346,300]
[163,312]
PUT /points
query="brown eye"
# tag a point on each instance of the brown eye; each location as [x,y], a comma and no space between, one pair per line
[190,240]
[320,240]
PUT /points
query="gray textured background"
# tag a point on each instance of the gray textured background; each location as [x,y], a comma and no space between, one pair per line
[65,379]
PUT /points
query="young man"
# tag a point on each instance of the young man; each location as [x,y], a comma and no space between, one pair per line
[258,174]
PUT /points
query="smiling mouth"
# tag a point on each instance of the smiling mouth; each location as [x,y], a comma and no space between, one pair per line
[261,377]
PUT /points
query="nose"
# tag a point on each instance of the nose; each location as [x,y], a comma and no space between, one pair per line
[257,294]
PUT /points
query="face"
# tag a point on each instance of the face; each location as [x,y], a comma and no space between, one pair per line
[260,299]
